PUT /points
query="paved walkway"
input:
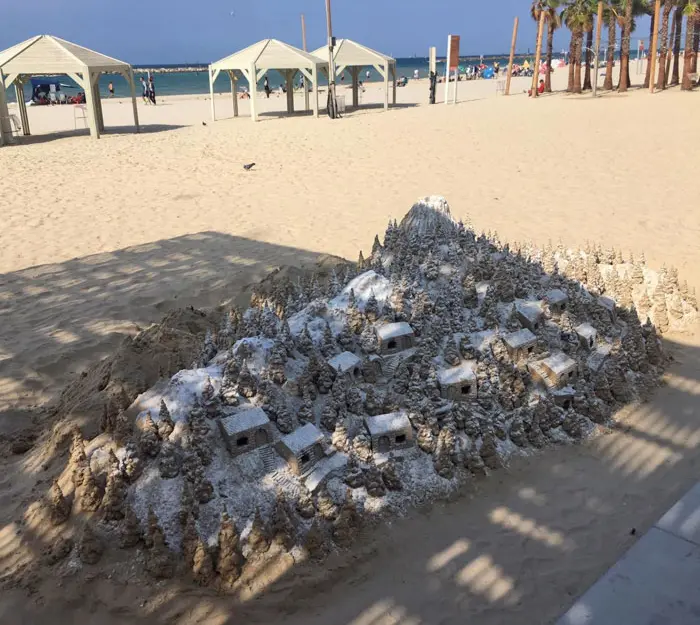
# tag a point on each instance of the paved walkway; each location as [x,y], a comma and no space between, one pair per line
[657,582]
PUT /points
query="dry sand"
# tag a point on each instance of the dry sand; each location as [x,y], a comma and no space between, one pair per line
[99,237]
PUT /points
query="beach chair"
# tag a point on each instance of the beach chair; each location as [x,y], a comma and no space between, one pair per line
[80,113]
[62,98]
[500,87]
[340,104]
[52,97]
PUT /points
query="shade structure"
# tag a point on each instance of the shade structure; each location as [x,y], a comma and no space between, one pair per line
[48,55]
[353,56]
[268,54]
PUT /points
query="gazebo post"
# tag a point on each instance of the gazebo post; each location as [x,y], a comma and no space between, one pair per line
[22,106]
[393,76]
[4,112]
[234,80]
[315,85]
[90,101]
[289,78]
[132,86]
[211,94]
[386,86]
[253,91]
[98,101]
[355,73]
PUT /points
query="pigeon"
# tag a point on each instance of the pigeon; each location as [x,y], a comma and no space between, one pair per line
[204,123]
[249,166]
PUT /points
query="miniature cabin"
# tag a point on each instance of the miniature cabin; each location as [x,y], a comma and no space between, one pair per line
[375,362]
[302,449]
[395,337]
[520,344]
[564,398]
[389,432]
[557,301]
[609,304]
[529,314]
[587,335]
[246,430]
[458,383]
[347,365]
[556,371]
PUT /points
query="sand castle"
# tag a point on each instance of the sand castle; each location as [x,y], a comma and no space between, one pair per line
[342,397]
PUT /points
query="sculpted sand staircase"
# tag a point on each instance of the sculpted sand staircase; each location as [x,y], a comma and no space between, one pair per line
[284,480]
[269,458]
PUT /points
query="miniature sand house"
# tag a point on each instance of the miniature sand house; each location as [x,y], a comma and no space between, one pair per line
[587,335]
[529,314]
[395,337]
[556,371]
[557,301]
[246,430]
[389,431]
[302,449]
[347,365]
[458,383]
[520,344]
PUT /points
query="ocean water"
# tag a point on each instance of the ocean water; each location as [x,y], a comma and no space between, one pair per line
[197,82]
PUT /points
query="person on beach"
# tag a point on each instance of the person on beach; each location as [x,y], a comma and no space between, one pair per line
[367,75]
[111,90]
[151,90]
[266,87]
[144,91]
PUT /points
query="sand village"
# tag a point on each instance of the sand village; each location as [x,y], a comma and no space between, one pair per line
[347,394]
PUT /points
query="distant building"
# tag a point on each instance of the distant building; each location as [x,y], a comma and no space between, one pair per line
[587,335]
[557,301]
[458,383]
[347,365]
[395,337]
[529,314]
[520,344]
[246,430]
[302,449]
[389,431]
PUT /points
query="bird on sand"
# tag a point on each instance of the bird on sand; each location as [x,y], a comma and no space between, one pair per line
[249,166]
[204,123]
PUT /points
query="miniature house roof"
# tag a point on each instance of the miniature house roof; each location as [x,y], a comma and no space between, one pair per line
[531,310]
[559,363]
[302,438]
[394,330]
[268,54]
[519,339]
[586,331]
[244,420]
[456,375]
[607,302]
[349,53]
[387,423]
[556,296]
[344,362]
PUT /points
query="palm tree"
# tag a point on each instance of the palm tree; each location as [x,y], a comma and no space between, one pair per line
[553,22]
[692,12]
[588,29]
[625,47]
[652,30]
[661,82]
[575,16]
[677,28]
[613,16]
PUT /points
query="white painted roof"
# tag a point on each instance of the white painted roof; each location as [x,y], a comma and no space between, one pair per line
[586,330]
[244,420]
[532,310]
[48,55]
[350,53]
[521,338]
[268,54]
[344,362]
[556,296]
[387,423]
[394,330]
[302,438]
[456,375]
[559,363]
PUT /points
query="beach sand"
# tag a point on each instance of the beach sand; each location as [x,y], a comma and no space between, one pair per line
[100,238]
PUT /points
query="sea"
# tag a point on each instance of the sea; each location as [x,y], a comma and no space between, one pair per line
[169,82]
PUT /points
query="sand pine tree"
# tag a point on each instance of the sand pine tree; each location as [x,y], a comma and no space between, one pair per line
[165,421]
[89,494]
[149,441]
[130,530]
[315,543]
[281,525]
[90,547]
[451,353]
[229,562]
[113,500]
[202,565]
[347,525]
[258,538]
[59,508]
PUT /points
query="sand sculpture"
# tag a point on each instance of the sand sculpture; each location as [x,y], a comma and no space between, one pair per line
[356,393]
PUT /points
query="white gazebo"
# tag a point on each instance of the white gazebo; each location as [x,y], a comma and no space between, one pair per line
[354,57]
[268,54]
[46,55]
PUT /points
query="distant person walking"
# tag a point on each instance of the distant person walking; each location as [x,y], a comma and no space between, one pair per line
[144,90]
[151,90]
[111,90]
[416,74]
[367,75]
[266,87]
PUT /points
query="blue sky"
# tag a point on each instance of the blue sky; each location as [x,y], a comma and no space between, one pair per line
[174,31]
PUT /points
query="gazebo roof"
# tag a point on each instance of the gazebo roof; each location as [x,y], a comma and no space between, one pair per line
[268,54]
[349,53]
[46,54]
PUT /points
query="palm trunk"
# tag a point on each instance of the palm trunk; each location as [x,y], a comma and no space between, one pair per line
[589,45]
[550,51]
[625,48]
[572,63]
[652,26]
[687,84]
[678,25]
[663,36]
[696,45]
[669,47]
[612,34]
[577,60]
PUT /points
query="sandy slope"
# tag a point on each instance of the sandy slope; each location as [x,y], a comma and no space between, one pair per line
[98,237]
